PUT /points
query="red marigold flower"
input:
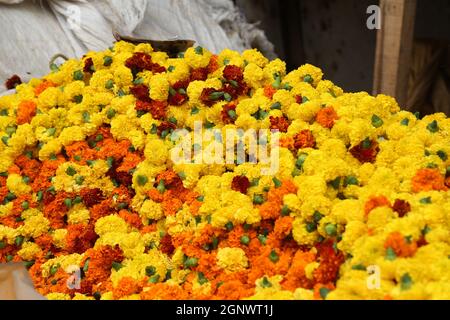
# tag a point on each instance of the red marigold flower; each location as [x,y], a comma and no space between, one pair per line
[91,196]
[428,179]
[228,113]
[156,108]
[235,73]
[166,245]
[88,65]
[304,139]
[402,207]
[199,74]
[298,99]
[365,151]
[279,123]
[12,82]
[240,183]
[208,96]
[164,127]
[326,117]
[143,61]
[213,64]
[141,92]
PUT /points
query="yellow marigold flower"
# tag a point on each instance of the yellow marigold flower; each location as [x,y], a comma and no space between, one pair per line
[151,210]
[256,57]
[29,251]
[16,185]
[111,223]
[197,57]
[232,259]
[159,87]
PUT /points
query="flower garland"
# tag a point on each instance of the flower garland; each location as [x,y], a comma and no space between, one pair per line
[86,180]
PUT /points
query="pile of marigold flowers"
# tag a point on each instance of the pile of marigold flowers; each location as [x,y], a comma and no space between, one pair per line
[86,180]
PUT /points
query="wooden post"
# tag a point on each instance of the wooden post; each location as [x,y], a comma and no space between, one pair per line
[394,46]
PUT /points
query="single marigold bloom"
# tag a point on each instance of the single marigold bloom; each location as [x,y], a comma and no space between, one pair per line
[13,82]
[228,113]
[26,110]
[375,202]
[326,117]
[91,197]
[402,207]
[428,179]
[279,123]
[143,61]
[88,66]
[304,139]
[80,238]
[232,72]
[127,286]
[366,151]
[156,108]
[240,183]
[199,74]
[400,245]
[141,92]
[213,63]
[269,91]
[165,126]
[43,86]
[166,245]
[287,142]
[207,96]
[330,261]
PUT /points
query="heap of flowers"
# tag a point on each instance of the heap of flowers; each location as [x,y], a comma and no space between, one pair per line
[86,180]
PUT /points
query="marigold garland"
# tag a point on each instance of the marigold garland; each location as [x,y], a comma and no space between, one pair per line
[86,180]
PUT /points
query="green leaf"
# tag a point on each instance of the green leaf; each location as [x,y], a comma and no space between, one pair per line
[390,254]
[78,75]
[308,79]
[107,60]
[433,126]
[116,265]
[376,121]
[406,282]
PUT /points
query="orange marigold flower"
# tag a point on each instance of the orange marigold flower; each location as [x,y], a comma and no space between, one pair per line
[213,63]
[80,238]
[374,202]
[326,117]
[401,245]
[428,179]
[43,86]
[26,110]
[269,91]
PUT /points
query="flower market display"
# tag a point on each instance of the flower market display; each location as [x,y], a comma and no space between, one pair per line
[92,203]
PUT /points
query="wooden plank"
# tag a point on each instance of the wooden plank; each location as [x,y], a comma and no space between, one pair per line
[394,46]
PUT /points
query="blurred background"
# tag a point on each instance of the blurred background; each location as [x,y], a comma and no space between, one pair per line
[332,34]
[408,57]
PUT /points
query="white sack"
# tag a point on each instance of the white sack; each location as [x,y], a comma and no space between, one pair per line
[32,31]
